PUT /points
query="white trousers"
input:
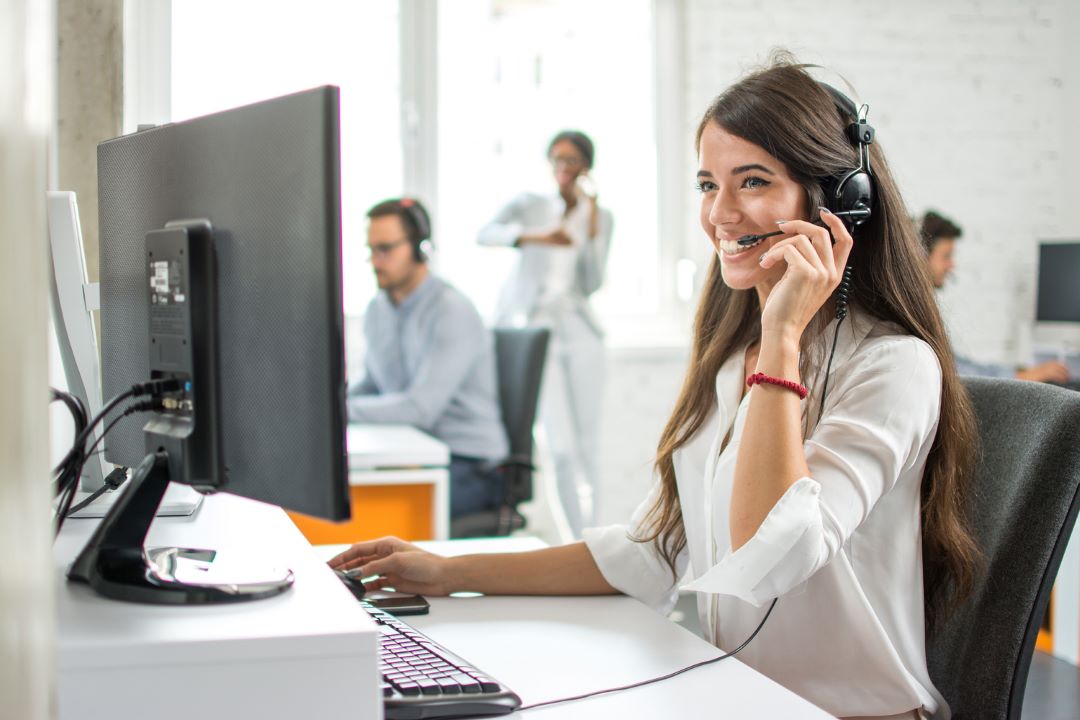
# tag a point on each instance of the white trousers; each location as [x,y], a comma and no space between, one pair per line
[570,407]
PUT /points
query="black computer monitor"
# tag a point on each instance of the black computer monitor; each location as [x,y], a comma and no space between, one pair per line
[220,244]
[1059,283]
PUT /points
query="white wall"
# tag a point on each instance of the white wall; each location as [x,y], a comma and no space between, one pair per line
[639,393]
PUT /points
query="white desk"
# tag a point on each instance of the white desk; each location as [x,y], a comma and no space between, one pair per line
[311,652]
[551,647]
[402,455]
[374,447]
[284,658]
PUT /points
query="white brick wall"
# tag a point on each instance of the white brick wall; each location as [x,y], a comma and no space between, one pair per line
[639,393]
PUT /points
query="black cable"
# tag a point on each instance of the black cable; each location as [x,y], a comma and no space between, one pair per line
[74,405]
[70,468]
[670,675]
[109,427]
[154,387]
[64,506]
[841,313]
[119,475]
[112,481]
[79,415]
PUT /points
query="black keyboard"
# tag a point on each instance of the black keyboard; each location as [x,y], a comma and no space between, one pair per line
[422,679]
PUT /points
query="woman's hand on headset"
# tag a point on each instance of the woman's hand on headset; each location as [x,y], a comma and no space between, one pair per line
[815,267]
[398,564]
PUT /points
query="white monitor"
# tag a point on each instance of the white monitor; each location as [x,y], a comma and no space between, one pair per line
[74,300]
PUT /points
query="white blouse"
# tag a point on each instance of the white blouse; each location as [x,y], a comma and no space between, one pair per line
[549,280]
[841,549]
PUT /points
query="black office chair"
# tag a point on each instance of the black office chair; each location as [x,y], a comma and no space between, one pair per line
[520,355]
[1023,511]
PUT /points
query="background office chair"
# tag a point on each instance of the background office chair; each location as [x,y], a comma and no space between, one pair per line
[1023,511]
[520,354]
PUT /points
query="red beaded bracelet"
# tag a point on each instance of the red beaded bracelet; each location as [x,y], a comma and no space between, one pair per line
[758,378]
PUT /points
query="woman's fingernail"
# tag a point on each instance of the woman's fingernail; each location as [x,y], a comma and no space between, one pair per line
[781,222]
[825,210]
[762,258]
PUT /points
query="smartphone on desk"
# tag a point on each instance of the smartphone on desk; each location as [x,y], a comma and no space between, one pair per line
[397,603]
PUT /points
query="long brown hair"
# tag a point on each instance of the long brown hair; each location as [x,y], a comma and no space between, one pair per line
[783,110]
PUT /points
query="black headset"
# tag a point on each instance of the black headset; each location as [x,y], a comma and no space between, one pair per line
[421,226]
[850,194]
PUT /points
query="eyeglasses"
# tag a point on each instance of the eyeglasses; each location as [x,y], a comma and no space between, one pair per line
[568,161]
[384,249]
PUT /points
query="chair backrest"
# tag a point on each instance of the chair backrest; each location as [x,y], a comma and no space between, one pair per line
[520,354]
[1023,509]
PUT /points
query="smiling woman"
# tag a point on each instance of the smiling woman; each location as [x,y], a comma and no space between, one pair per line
[823,507]
[790,488]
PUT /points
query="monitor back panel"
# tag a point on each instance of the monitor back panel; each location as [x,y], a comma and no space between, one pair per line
[267,178]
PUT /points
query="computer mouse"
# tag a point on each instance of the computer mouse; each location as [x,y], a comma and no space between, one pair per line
[351,579]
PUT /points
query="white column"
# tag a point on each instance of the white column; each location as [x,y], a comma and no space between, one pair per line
[90,101]
[27,625]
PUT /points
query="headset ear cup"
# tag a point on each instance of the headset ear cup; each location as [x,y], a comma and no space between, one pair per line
[857,193]
[422,225]
[853,191]
[422,251]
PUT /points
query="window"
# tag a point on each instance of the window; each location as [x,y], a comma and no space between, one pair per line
[455,102]
[226,54]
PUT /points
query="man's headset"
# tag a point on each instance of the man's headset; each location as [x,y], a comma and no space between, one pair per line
[850,194]
[421,226]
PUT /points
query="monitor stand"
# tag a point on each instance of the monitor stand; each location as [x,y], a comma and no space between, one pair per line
[115,563]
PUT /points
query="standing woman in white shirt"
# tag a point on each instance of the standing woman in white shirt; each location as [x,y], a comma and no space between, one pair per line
[829,511]
[562,241]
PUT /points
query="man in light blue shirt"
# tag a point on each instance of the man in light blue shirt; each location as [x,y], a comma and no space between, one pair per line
[430,362]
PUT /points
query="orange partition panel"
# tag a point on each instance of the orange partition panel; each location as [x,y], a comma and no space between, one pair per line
[403,510]
[1045,640]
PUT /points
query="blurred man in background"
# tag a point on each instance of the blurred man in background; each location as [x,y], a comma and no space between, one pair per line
[939,236]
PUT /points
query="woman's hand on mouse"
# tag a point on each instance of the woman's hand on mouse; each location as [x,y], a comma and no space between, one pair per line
[398,564]
[814,269]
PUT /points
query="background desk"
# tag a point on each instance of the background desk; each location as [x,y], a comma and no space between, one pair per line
[399,485]
[551,647]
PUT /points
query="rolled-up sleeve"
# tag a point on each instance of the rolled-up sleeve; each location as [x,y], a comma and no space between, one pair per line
[636,568]
[884,415]
[592,260]
[507,225]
